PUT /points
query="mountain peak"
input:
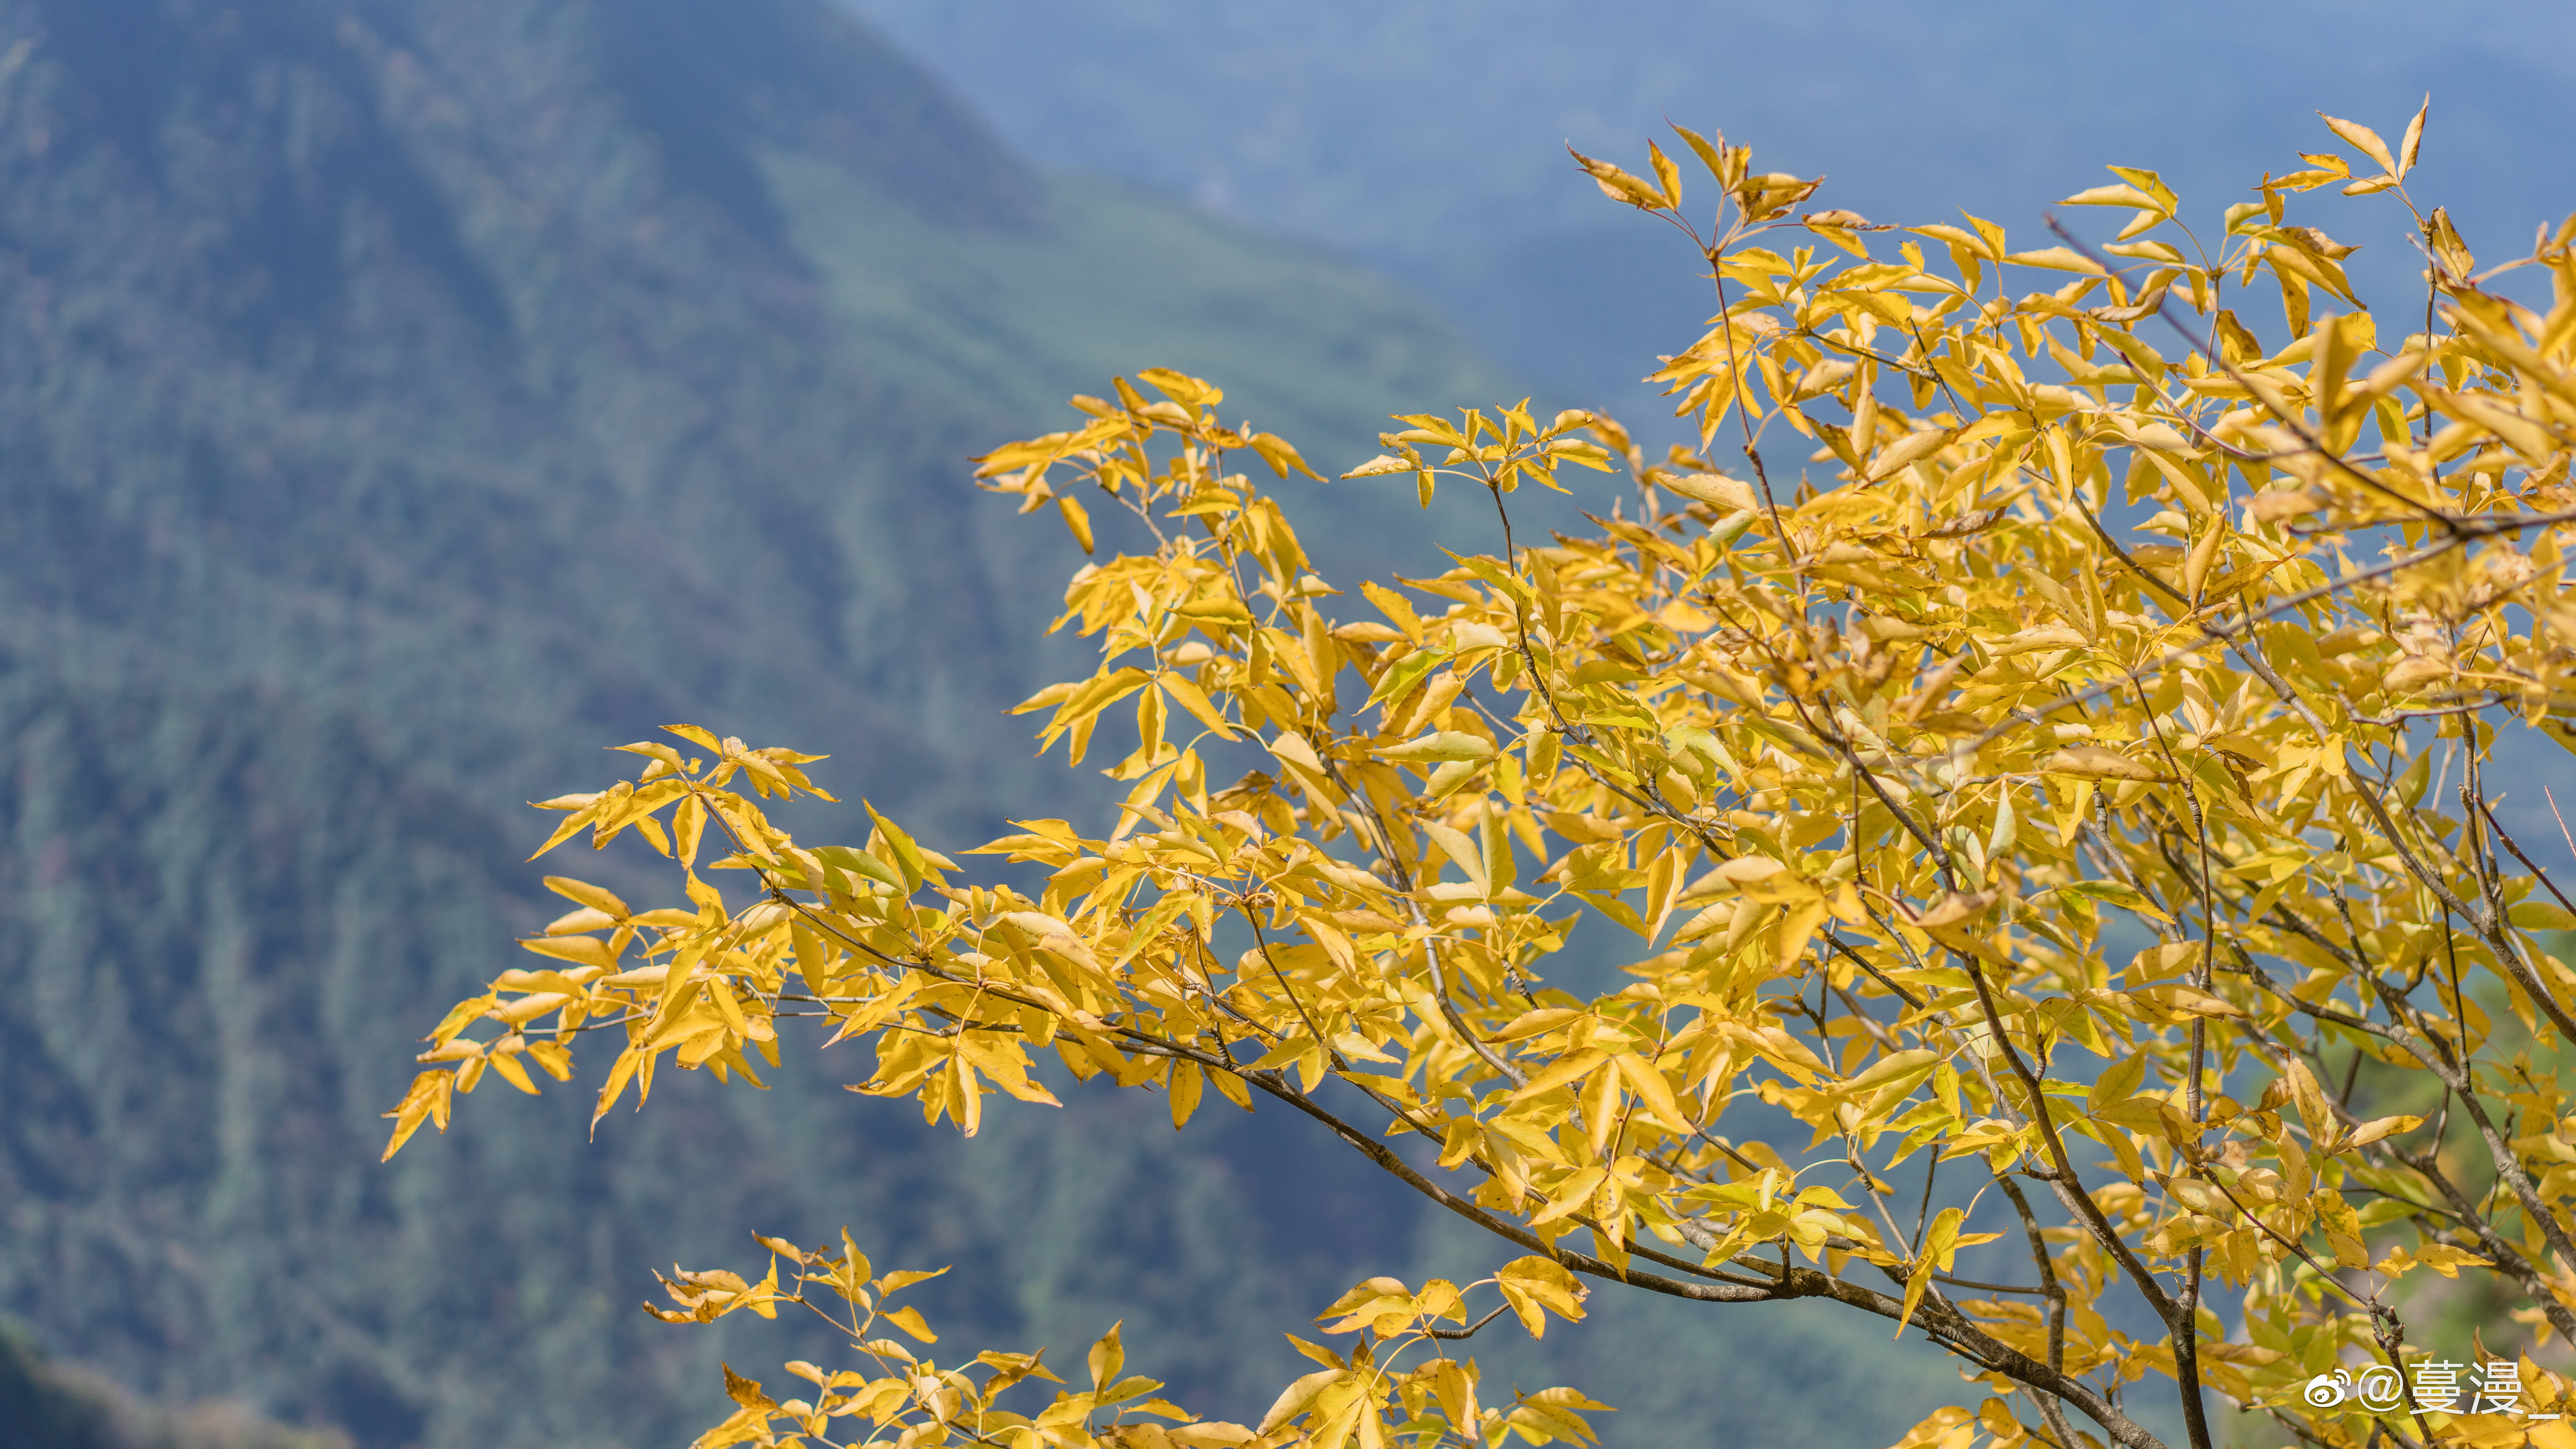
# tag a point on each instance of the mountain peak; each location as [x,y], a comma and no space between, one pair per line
[306,149]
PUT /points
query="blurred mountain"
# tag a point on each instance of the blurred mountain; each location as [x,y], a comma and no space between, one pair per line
[45,1405]
[399,401]
[1429,135]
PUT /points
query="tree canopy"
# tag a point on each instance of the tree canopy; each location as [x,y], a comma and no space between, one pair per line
[2056,761]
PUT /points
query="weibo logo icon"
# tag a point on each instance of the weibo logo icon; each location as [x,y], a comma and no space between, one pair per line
[2378,1389]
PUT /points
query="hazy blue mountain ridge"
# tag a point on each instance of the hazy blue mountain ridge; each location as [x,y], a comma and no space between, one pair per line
[1428,135]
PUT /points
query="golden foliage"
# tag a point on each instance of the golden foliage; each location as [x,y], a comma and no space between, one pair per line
[2156,883]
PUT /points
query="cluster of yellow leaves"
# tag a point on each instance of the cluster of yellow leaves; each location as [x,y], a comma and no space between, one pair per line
[2078,772]
[905,1399]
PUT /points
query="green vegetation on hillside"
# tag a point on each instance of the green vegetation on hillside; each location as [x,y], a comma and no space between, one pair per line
[1019,319]
[1308,343]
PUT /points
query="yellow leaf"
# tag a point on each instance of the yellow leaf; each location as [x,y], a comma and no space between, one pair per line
[1647,1082]
[2372,1131]
[2045,636]
[2555,1435]
[2530,439]
[1535,1286]
[908,1318]
[1462,851]
[1382,464]
[688,825]
[1190,697]
[2415,138]
[1938,1243]
[2278,504]
[2541,915]
[1708,155]
[2137,1114]
[2447,1260]
[628,1061]
[1107,1357]
[1440,745]
[425,1100]
[1568,1197]
[580,950]
[1561,1071]
[1075,518]
[2110,196]
[2195,566]
[1369,1302]
[746,1392]
[1909,449]
[1295,1399]
[2093,762]
[860,863]
[582,920]
[2116,1082]
[2057,259]
[1912,1066]
[1455,1389]
[2363,139]
[2343,1228]
[1746,869]
[2452,252]
[2414,670]
[1282,458]
[1668,177]
[1182,388]
[572,825]
[1618,185]
[1733,495]
[588,895]
[507,1064]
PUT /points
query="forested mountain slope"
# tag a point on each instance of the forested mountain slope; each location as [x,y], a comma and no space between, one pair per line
[45,1405]
[399,401]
